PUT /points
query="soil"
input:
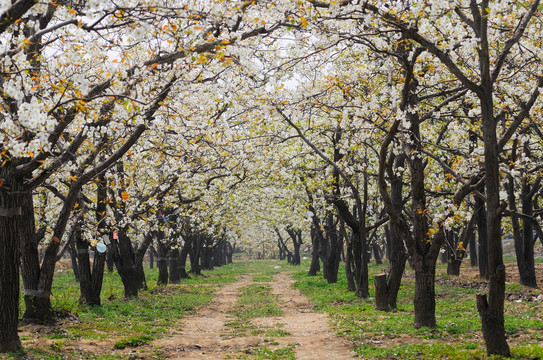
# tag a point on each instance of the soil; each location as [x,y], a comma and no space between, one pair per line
[469,278]
[205,336]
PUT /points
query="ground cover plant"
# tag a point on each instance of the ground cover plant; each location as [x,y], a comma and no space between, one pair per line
[123,323]
[391,335]
[126,328]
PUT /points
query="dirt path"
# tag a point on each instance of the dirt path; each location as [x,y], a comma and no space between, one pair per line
[309,330]
[205,336]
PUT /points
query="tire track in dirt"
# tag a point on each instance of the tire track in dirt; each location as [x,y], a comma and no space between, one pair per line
[205,336]
[201,334]
[310,331]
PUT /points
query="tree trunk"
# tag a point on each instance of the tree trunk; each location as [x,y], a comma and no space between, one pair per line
[296,236]
[229,252]
[397,253]
[315,265]
[207,254]
[424,300]
[110,263]
[525,248]
[398,258]
[376,253]
[10,235]
[73,258]
[140,257]
[195,255]
[334,249]
[480,209]
[280,247]
[381,292]
[492,311]
[175,276]
[457,247]
[296,259]
[36,297]
[84,269]
[351,283]
[473,258]
[124,257]
[162,263]
[183,258]
[91,282]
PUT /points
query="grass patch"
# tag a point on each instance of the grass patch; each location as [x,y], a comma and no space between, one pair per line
[277,333]
[380,335]
[134,341]
[122,322]
[373,334]
[285,353]
[256,301]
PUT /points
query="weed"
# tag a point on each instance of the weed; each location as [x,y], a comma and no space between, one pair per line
[277,333]
[134,341]
[378,335]
[285,353]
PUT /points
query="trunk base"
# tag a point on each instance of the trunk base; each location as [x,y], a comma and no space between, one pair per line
[38,310]
[381,293]
[491,313]
[424,301]
[10,345]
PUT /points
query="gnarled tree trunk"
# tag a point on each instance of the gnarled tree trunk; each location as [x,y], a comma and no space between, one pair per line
[10,242]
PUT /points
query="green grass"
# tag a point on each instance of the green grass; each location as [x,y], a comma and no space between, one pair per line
[380,335]
[122,322]
[255,301]
[131,324]
[285,353]
[134,341]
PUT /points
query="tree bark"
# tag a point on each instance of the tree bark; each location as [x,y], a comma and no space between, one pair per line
[397,252]
[162,261]
[89,293]
[296,236]
[349,273]
[381,292]
[10,218]
[473,258]
[492,312]
[175,276]
[124,257]
[207,253]
[523,237]
[376,253]
[480,209]
[229,252]
[73,258]
[424,300]
[183,258]
[194,255]
[334,249]
[315,266]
